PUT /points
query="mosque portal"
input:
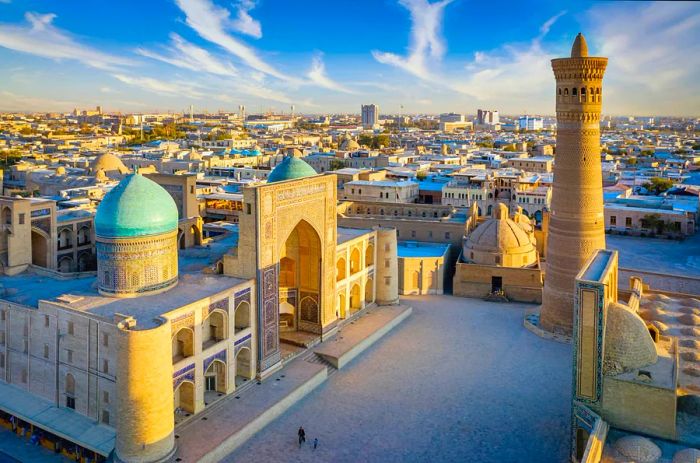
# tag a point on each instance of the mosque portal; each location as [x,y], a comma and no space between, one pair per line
[300,279]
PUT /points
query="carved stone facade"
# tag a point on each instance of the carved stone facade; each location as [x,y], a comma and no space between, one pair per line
[129,267]
[576,227]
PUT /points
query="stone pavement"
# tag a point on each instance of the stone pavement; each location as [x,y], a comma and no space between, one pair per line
[232,420]
[358,335]
[16,449]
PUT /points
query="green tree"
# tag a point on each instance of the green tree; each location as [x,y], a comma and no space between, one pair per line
[658,185]
[335,164]
[654,223]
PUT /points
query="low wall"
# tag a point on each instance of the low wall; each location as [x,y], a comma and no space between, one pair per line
[519,284]
[665,282]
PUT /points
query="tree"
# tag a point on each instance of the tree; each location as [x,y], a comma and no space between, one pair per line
[335,164]
[654,223]
[420,175]
[658,185]
[632,161]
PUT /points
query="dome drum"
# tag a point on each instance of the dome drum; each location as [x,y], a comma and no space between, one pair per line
[136,229]
[501,241]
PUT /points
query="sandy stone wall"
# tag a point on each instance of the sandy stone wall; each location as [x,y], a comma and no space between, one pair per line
[519,284]
[145,431]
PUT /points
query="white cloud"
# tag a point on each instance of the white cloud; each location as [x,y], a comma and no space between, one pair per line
[211,22]
[244,23]
[162,87]
[652,67]
[427,44]
[318,76]
[513,74]
[10,101]
[185,55]
[39,37]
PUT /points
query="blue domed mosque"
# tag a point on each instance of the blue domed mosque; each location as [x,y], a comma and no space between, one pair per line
[136,229]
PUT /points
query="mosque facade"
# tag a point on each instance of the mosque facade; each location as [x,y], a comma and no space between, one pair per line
[140,346]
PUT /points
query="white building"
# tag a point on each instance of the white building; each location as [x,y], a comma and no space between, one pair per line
[370,115]
[388,191]
[530,123]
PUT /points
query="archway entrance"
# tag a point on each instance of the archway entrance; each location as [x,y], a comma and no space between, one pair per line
[243,366]
[300,280]
[40,249]
[342,312]
[355,299]
[369,291]
[184,399]
[214,381]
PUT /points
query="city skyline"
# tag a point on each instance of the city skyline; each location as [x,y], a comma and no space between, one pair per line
[431,57]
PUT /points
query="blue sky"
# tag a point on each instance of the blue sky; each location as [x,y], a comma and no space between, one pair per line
[330,56]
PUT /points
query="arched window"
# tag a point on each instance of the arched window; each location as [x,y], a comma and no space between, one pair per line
[574,91]
[340,269]
[559,91]
[566,92]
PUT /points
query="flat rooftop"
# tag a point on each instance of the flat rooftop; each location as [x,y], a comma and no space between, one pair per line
[420,249]
[345,234]
[28,288]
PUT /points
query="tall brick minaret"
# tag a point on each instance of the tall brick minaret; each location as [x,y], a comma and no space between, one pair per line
[576,227]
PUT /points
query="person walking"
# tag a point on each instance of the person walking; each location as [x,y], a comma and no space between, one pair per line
[315,442]
[302,435]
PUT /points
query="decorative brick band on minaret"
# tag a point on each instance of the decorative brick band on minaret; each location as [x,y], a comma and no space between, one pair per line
[576,226]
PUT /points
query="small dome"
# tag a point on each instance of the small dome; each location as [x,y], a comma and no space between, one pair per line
[136,207]
[687,456]
[580,47]
[61,170]
[348,144]
[628,344]
[500,241]
[294,152]
[109,163]
[290,168]
[638,449]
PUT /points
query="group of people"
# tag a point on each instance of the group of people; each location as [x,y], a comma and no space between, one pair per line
[302,437]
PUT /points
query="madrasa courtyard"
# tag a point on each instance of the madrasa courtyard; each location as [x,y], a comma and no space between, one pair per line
[467,382]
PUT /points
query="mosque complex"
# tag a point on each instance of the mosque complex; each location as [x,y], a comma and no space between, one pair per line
[156,334]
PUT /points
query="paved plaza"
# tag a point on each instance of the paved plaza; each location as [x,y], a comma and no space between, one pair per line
[459,380]
[658,255]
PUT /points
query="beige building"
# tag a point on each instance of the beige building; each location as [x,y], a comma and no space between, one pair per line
[499,259]
[422,267]
[388,191]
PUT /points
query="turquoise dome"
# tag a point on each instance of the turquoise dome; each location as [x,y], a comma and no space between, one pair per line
[136,207]
[289,169]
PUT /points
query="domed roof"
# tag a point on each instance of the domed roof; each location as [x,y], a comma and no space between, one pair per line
[628,344]
[580,48]
[348,144]
[108,162]
[637,448]
[687,456]
[499,234]
[290,168]
[137,206]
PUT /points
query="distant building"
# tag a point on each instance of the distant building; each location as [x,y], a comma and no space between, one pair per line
[370,115]
[450,122]
[487,117]
[530,123]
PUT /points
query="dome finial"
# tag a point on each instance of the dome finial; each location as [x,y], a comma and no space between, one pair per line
[580,47]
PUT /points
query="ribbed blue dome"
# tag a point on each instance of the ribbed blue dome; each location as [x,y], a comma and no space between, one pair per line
[290,168]
[136,207]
